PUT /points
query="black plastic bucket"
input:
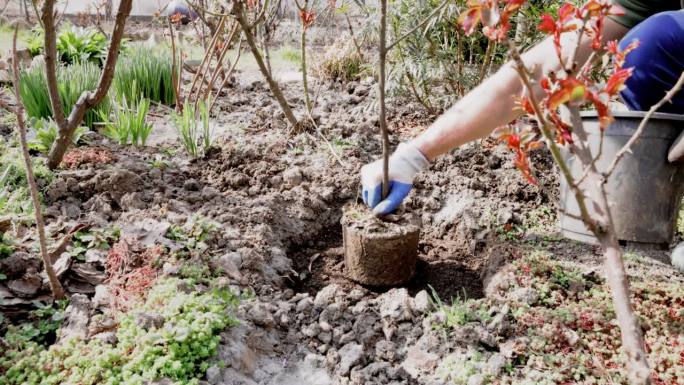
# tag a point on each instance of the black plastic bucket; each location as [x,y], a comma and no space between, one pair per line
[644,190]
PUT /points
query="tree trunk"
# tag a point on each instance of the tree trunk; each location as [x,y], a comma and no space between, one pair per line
[239,13]
[88,99]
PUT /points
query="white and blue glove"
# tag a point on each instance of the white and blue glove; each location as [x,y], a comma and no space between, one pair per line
[404,164]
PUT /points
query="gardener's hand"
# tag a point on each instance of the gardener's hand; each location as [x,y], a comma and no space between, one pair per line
[403,166]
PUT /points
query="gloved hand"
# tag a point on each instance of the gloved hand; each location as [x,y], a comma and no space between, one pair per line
[404,164]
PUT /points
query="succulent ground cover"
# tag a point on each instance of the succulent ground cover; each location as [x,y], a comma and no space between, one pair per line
[172,334]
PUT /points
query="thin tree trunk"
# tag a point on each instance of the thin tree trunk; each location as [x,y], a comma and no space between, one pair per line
[239,13]
[55,285]
[305,80]
[88,99]
[381,93]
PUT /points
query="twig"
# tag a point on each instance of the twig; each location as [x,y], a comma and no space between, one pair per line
[227,76]
[55,285]
[626,148]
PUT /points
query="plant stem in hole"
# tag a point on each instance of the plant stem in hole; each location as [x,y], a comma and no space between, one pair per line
[381,89]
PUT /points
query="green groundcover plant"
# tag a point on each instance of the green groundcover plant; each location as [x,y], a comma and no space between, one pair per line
[179,350]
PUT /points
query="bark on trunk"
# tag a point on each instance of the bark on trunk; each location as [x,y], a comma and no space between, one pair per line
[88,99]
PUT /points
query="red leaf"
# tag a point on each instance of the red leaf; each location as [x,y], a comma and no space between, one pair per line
[566,12]
[571,90]
[307,18]
[471,17]
[547,24]
[616,82]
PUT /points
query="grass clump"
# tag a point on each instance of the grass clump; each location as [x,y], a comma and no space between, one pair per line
[128,125]
[341,63]
[145,73]
[193,128]
[179,350]
[292,55]
[461,311]
[72,81]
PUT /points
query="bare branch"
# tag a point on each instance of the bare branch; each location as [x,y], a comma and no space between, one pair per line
[55,285]
[640,129]
[230,71]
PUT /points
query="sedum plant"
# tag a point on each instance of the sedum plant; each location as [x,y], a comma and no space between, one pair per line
[178,351]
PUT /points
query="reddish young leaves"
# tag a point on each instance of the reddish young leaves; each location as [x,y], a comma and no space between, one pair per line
[496,21]
[521,143]
[307,18]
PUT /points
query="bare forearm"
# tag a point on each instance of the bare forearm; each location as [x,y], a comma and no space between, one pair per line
[471,117]
[492,103]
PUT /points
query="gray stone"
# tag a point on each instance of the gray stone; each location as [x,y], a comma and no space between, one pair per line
[386,350]
[260,315]
[351,354]
[213,375]
[325,337]
[331,314]
[476,379]
[364,327]
[356,295]
[495,364]
[419,361]
[304,304]
[76,317]
[149,320]
[421,302]
[326,296]
[396,305]
[312,330]
[101,297]
[525,295]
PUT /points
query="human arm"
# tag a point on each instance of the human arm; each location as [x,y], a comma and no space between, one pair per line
[492,103]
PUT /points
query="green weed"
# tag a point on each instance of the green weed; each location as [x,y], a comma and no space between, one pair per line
[14,194]
[292,55]
[461,311]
